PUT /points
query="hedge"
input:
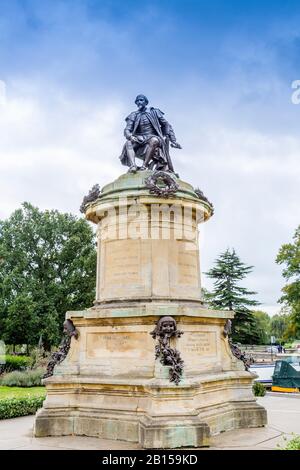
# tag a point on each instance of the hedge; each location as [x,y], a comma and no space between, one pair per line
[14,407]
[9,363]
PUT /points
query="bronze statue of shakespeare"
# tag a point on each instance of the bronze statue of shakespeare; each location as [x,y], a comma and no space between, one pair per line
[148,136]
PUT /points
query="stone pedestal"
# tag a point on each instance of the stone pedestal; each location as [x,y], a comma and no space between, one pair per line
[110,384]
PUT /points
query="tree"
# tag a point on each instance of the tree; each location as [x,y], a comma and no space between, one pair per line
[280,327]
[47,266]
[263,324]
[205,295]
[228,295]
[289,256]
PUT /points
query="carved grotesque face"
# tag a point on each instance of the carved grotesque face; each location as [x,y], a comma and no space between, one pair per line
[167,326]
[68,327]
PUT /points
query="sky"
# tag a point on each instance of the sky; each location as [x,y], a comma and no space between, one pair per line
[221,70]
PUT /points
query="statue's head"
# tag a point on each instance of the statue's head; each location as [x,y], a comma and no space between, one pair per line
[141,101]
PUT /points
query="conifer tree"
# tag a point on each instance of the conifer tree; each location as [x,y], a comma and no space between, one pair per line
[229,295]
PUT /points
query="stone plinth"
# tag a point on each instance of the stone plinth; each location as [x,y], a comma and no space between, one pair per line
[147,246]
[110,384]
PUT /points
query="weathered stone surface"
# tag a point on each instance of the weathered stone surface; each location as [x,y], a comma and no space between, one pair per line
[171,433]
[153,412]
[110,384]
[147,246]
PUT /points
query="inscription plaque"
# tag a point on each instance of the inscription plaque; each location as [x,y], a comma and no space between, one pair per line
[200,343]
[119,344]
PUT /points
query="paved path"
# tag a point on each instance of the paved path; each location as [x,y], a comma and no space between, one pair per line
[283,417]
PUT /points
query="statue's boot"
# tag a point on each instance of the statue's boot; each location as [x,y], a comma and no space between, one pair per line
[133,169]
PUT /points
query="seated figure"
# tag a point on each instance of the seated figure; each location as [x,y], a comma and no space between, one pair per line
[148,134]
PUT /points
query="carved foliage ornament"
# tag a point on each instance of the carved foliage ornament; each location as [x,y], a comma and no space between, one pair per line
[166,329]
[234,348]
[201,196]
[92,196]
[227,328]
[58,356]
[239,355]
[162,184]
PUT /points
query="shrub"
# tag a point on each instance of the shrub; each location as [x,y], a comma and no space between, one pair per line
[258,389]
[29,378]
[14,407]
[293,444]
[39,358]
[9,363]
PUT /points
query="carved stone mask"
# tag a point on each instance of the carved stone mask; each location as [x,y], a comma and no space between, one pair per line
[69,328]
[166,325]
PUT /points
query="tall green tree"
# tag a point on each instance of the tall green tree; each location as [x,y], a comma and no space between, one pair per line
[280,327]
[289,257]
[47,266]
[263,326]
[229,295]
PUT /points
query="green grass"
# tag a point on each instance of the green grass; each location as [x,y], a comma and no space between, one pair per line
[21,392]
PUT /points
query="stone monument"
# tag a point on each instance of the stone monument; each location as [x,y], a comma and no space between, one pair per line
[149,362]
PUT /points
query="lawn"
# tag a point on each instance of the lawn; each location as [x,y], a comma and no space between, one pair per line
[21,392]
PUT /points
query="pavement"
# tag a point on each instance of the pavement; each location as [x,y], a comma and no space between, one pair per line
[283,421]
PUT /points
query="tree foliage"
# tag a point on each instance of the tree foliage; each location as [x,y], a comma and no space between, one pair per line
[281,327]
[47,266]
[289,257]
[229,295]
[263,326]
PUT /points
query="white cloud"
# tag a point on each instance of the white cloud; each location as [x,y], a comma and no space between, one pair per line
[51,157]
[253,181]
[53,150]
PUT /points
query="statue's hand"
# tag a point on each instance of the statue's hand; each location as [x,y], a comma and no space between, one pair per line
[176,145]
[133,139]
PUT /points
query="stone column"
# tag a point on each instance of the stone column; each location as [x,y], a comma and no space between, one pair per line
[148,245]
